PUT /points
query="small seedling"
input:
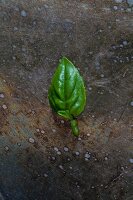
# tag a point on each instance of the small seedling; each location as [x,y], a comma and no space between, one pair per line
[67,94]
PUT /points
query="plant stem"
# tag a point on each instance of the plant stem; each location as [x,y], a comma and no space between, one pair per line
[74,126]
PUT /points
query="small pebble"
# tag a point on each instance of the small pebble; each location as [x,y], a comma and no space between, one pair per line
[125,42]
[56,149]
[70,167]
[1,95]
[45,175]
[66,149]
[77,153]
[79,139]
[4,106]
[131,160]
[53,130]
[31,140]
[58,152]
[68,159]
[6,148]
[88,134]
[15,28]
[62,121]
[131,103]
[37,130]
[115,8]
[42,131]
[121,45]
[23,13]
[118,1]
[19,144]
[86,159]
[106,158]
[87,155]
[102,75]
[61,167]
[53,158]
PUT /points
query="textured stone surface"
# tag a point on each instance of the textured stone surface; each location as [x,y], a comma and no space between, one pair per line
[98,38]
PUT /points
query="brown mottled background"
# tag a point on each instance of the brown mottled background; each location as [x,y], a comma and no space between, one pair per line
[97,36]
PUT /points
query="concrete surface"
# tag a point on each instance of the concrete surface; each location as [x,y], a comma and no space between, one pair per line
[97,36]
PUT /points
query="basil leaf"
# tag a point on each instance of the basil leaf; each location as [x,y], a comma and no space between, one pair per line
[67,95]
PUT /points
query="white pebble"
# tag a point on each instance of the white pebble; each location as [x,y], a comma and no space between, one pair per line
[131,103]
[53,158]
[58,152]
[131,160]
[87,155]
[42,131]
[53,130]
[1,95]
[88,134]
[77,153]
[70,167]
[45,175]
[79,139]
[125,43]
[23,13]
[102,75]
[56,149]
[15,28]
[66,149]
[4,106]
[61,167]
[106,158]
[31,140]
[115,8]
[62,121]
[90,88]
[6,148]
[86,159]
[37,130]
[118,1]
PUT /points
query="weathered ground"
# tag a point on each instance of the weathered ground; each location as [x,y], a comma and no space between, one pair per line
[97,36]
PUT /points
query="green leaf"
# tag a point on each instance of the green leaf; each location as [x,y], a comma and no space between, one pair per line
[67,95]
